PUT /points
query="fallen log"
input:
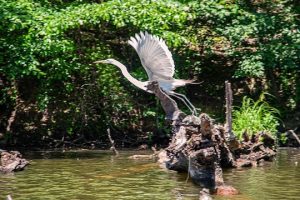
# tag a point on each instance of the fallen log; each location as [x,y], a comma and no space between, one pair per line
[142,157]
[253,152]
[146,157]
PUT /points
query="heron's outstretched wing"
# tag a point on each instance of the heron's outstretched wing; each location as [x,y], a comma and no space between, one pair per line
[155,56]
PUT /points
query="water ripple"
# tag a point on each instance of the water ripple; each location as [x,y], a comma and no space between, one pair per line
[98,175]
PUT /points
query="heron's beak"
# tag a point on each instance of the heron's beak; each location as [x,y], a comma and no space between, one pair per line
[99,61]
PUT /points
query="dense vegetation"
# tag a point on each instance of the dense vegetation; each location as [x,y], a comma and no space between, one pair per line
[51,90]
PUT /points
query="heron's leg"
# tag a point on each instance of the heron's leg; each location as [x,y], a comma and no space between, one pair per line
[185,101]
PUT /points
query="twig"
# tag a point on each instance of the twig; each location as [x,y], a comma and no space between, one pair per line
[112,142]
[295,136]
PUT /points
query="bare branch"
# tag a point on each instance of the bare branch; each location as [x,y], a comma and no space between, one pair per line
[112,142]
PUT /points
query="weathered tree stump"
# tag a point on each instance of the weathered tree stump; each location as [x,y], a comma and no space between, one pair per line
[12,161]
[199,148]
[202,148]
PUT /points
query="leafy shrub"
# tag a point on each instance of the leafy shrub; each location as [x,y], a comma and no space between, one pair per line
[50,45]
[254,116]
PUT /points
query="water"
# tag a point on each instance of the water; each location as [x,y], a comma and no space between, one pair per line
[99,175]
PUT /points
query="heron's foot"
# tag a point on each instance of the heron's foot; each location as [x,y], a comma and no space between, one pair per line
[195,111]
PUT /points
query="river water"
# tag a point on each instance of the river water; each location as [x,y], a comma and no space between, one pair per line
[90,175]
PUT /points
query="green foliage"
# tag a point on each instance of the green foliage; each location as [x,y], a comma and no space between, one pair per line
[283,138]
[51,45]
[256,34]
[251,66]
[255,116]
[54,42]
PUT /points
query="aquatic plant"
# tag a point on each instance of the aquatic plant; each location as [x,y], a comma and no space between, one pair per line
[254,116]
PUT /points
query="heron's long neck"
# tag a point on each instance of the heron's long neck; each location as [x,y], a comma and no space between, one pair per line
[130,78]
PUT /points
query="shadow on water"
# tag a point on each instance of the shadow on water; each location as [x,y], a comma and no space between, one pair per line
[99,175]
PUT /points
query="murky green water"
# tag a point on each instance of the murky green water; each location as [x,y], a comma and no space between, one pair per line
[98,175]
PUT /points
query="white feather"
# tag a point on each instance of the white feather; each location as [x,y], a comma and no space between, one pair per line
[155,56]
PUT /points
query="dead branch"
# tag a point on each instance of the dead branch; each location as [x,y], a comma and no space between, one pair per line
[169,105]
[294,135]
[228,125]
[112,142]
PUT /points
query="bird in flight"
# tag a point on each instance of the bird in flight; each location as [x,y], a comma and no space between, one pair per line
[158,62]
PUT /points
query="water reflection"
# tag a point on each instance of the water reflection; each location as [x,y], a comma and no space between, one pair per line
[99,175]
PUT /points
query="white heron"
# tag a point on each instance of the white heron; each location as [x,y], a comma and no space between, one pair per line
[158,62]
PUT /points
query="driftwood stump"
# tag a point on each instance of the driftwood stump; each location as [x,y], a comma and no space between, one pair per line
[202,148]
[199,148]
[12,161]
